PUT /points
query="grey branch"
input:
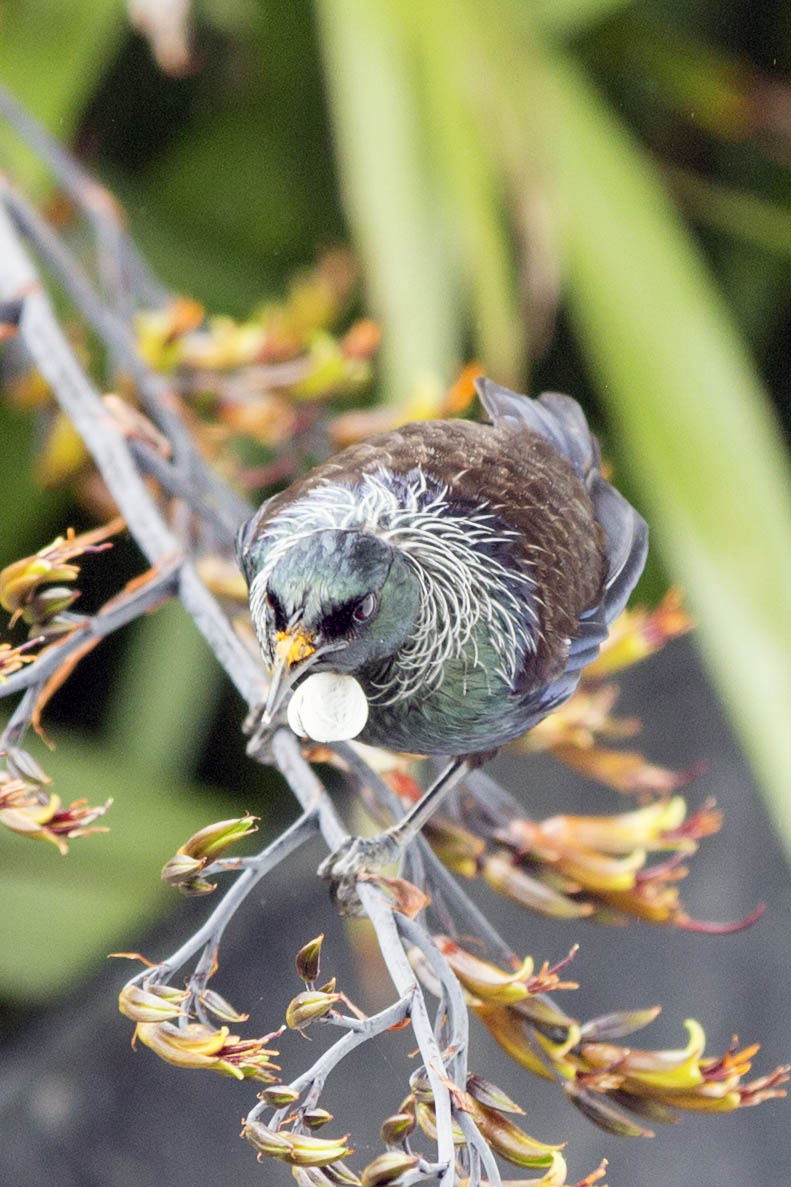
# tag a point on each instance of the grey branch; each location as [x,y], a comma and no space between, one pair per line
[316,1076]
[442,1040]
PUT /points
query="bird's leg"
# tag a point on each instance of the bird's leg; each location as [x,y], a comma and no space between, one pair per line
[361,854]
[410,825]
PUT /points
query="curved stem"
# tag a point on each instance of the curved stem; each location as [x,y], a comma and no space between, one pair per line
[458,1022]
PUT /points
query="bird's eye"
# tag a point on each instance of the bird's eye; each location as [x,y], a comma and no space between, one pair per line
[364,608]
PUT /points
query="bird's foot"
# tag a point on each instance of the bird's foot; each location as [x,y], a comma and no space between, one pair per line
[354,858]
[357,855]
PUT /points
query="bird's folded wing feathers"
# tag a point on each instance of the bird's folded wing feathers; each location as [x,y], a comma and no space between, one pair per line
[627,544]
[557,418]
[561,421]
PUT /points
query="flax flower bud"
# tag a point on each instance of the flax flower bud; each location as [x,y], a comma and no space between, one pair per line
[510,1142]
[308,1006]
[398,1127]
[307,959]
[315,1118]
[483,979]
[151,1003]
[489,1094]
[297,1149]
[387,1170]
[219,1007]
[279,1096]
[214,839]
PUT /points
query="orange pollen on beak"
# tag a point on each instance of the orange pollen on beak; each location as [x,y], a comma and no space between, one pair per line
[293,648]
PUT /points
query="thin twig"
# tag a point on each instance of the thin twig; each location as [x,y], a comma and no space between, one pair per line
[19,722]
[175,483]
[458,1023]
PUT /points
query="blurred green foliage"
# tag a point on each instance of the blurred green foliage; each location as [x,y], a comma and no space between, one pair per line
[63,915]
[586,193]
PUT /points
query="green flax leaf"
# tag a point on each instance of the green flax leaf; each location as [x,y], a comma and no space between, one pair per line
[692,418]
[391,196]
[54,83]
[63,914]
[473,189]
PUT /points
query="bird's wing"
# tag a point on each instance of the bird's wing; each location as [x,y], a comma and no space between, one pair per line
[561,421]
[557,418]
[627,543]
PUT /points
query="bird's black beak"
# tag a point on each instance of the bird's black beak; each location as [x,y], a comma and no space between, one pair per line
[294,649]
[295,652]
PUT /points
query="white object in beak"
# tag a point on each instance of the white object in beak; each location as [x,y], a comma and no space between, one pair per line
[328,707]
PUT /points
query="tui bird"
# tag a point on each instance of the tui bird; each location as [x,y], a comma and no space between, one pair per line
[438,589]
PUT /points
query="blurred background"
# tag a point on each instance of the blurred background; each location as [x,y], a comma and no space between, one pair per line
[592,196]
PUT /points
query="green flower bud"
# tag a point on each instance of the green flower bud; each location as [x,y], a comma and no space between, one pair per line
[47,603]
[214,839]
[307,1150]
[315,1118]
[153,1003]
[489,1094]
[387,1169]
[308,959]
[279,1096]
[308,1006]
[180,869]
[398,1127]
[219,1007]
[266,1142]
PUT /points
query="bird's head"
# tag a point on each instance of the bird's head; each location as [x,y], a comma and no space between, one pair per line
[335,600]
